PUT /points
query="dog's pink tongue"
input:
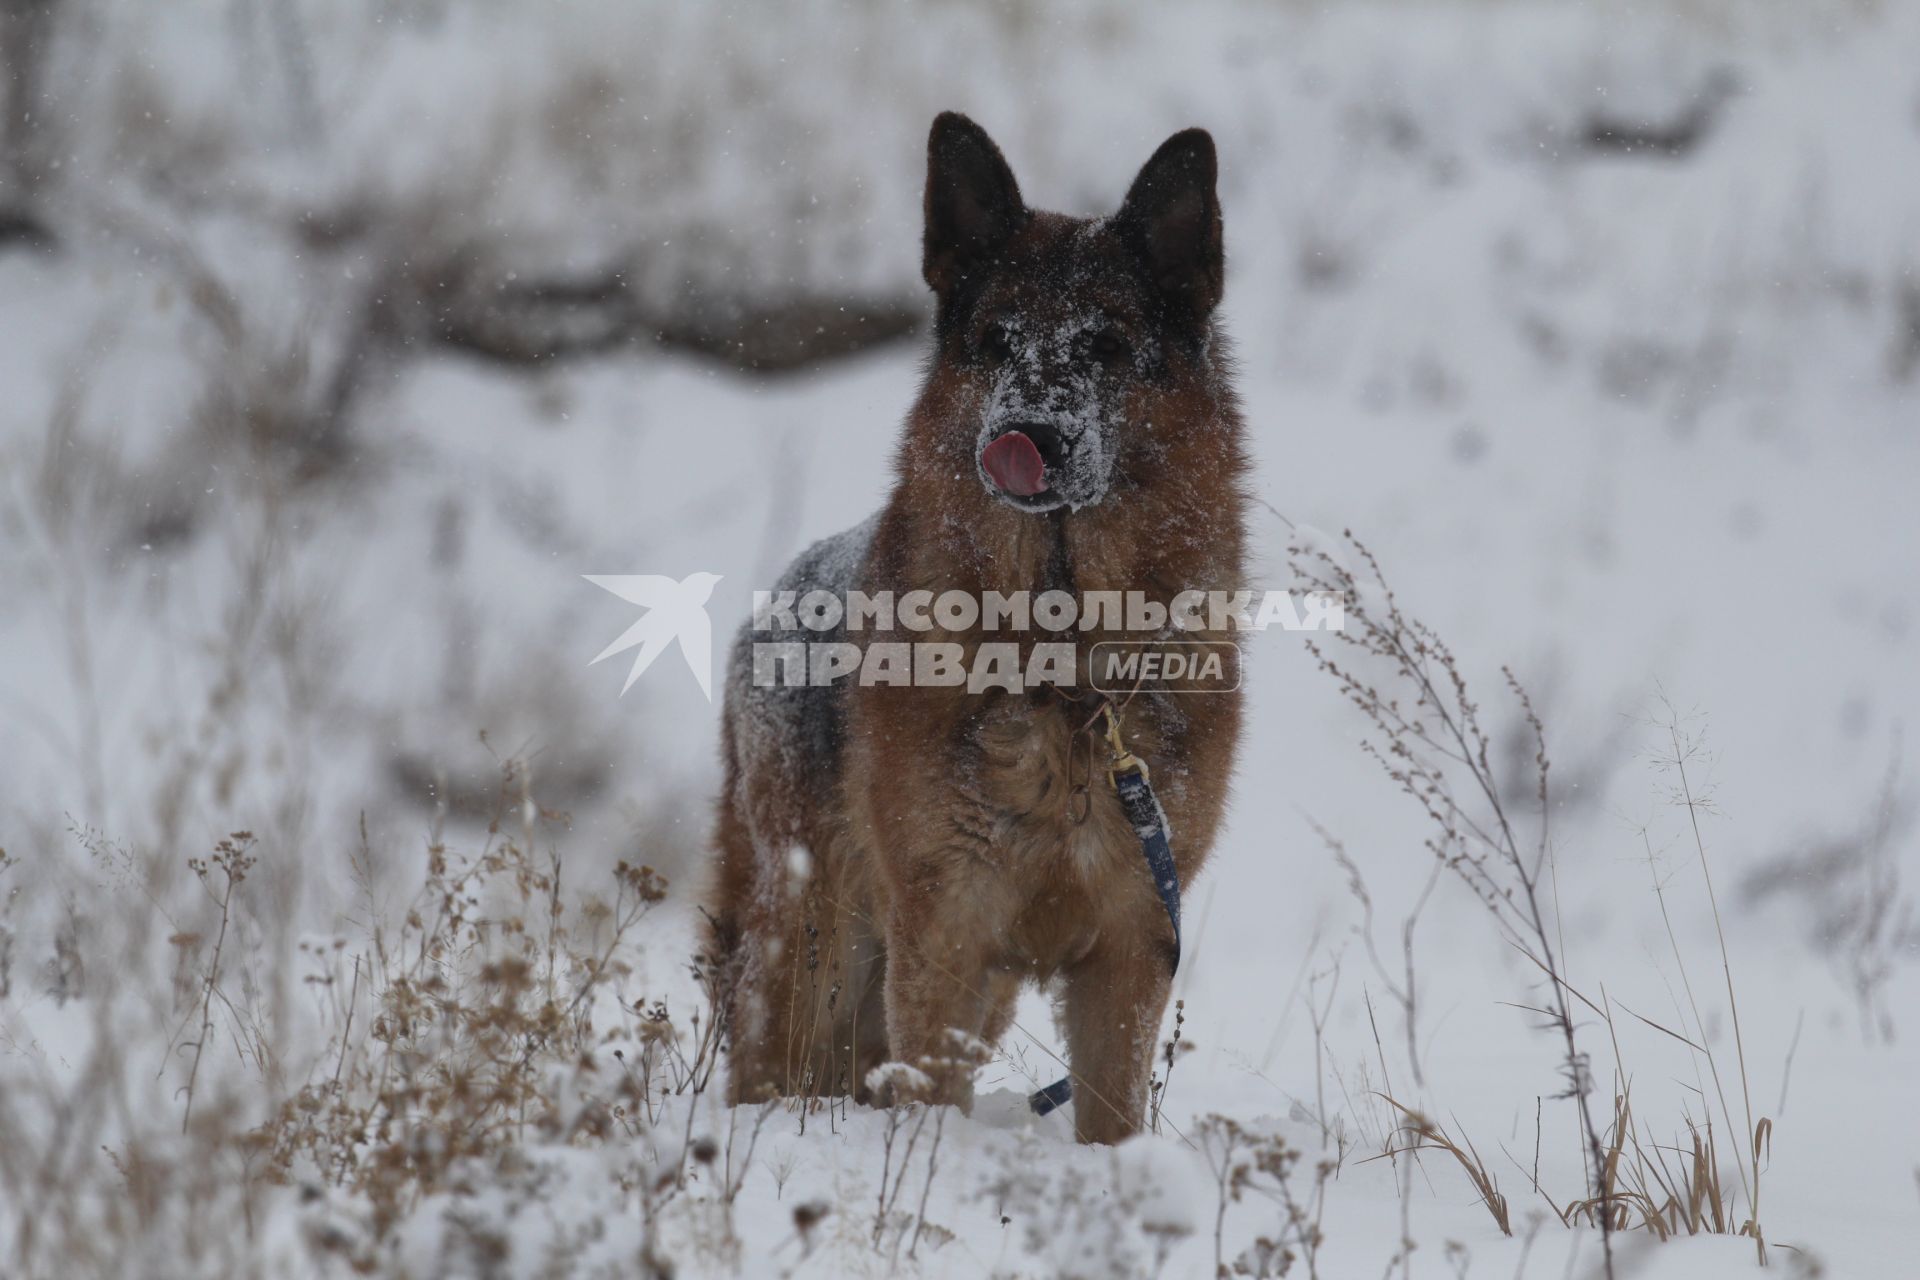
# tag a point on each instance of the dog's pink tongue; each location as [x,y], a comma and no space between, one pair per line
[1015,465]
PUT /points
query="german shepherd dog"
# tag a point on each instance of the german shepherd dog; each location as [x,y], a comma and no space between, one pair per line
[894,862]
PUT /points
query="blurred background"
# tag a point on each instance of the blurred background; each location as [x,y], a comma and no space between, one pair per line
[338,340]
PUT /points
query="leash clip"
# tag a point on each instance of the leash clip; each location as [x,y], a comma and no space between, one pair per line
[1124,761]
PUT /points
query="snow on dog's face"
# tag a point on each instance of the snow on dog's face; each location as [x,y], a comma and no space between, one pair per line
[1059,363]
[1063,328]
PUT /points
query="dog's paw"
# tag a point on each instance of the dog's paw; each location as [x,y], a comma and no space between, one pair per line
[893,1083]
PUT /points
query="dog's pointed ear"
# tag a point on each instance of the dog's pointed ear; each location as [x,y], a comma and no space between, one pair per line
[1171,218]
[973,203]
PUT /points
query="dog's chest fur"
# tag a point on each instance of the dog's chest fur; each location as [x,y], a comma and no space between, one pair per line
[1044,883]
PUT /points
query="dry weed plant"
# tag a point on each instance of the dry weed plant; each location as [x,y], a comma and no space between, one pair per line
[905,1116]
[1428,736]
[893,1225]
[488,1024]
[470,1033]
[1319,1010]
[468,1008]
[1172,1049]
[1417,1132]
[220,876]
[1246,1160]
[1404,984]
[1699,1180]
[1081,1227]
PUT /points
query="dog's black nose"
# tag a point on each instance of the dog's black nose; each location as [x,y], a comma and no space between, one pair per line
[1046,438]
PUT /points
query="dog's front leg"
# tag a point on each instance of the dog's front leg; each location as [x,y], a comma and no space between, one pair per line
[939,981]
[1115,998]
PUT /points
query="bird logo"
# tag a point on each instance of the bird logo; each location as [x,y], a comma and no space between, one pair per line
[674,611]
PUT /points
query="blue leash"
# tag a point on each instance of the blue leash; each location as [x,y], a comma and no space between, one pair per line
[1149,822]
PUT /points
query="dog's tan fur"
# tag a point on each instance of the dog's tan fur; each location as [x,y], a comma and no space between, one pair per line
[939,867]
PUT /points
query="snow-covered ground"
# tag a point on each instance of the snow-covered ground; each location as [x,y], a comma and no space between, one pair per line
[1637,420]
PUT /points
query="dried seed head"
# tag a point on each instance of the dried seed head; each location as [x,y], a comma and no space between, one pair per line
[807,1214]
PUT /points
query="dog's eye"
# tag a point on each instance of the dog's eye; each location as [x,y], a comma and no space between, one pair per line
[996,344]
[1111,348]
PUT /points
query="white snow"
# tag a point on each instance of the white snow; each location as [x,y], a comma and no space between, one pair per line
[1637,425]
